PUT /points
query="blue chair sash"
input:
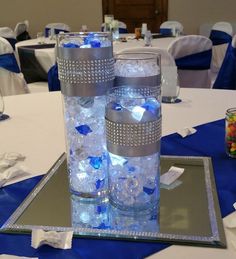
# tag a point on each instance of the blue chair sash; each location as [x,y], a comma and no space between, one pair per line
[53,81]
[123,30]
[57,31]
[220,37]
[12,41]
[226,78]
[166,31]
[8,62]
[197,61]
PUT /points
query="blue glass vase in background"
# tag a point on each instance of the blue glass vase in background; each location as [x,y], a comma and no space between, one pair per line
[85,63]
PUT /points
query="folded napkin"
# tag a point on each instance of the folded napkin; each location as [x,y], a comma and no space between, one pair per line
[230,225]
[186,132]
[9,169]
[55,239]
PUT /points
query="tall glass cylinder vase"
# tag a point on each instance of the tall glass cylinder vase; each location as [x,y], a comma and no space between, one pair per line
[86,71]
[133,131]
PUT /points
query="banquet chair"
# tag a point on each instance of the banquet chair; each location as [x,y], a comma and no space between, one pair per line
[12,81]
[21,31]
[121,25]
[55,28]
[8,34]
[221,36]
[192,56]
[171,28]
[53,80]
[226,78]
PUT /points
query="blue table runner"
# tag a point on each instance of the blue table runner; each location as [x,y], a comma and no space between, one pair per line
[207,141]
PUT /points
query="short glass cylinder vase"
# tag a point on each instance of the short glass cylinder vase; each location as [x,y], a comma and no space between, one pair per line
[133,133]
[230,132]
[86,71]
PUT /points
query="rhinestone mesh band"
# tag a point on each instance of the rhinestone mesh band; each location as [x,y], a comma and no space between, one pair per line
[85,71]
[133,135]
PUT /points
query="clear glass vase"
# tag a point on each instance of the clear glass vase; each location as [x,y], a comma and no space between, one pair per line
[133,132]
[85,63]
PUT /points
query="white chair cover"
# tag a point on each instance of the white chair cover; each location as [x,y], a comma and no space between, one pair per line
[218,51]
[226,78]
[173,25]
[7,32]
[57,28]
[21,27]
[121,25]
[10,83]
[187,46]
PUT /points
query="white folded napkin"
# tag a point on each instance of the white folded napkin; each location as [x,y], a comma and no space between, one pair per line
[9,168]
[186,131]
[230,225]
[55,239]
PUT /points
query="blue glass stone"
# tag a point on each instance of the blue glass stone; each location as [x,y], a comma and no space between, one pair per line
[131,169]
[153,217]
[101,209]
[116,106]
[83,129]
[95,43]
[150,107]
[95,162]
[100,184]
[70,45]
[87,40]
[148,191]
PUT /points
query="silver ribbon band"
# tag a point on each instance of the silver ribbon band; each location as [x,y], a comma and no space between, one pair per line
[133,139]
[85,72]
[138,81]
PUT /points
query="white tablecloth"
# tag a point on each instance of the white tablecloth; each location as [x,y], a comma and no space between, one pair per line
[36,129]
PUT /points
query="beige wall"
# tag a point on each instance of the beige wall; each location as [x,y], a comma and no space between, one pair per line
[191,13]
[41,12]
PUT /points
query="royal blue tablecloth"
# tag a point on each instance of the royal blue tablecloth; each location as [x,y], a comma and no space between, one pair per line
[207,141]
